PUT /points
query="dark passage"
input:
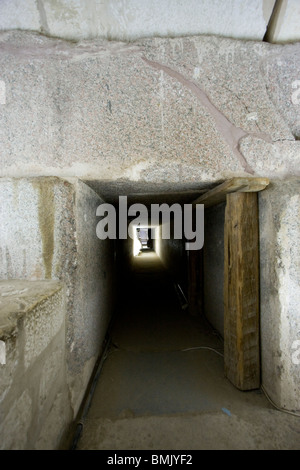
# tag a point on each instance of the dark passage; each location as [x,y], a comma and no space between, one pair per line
[162,385]
[148,370]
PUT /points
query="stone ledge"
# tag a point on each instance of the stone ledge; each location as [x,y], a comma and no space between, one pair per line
[34,395]
[19,297]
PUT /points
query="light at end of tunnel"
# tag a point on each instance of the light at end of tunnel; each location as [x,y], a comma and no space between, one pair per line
[136,243]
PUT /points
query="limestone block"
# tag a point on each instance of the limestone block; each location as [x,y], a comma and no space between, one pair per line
[282,78]
[116,19]
[19,14]
[183,110]
[32,327]
[53,427]
[40,327]
[280,292]
[32,218]
[18,299]
[94,292]
[9,368]
[50,373]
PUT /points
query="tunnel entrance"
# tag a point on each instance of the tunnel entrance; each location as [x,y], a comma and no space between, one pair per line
[234,311]
[167,355]
[166,351]
[162,360]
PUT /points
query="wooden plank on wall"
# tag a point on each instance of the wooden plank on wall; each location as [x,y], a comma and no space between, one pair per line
[241,291]
[218,194]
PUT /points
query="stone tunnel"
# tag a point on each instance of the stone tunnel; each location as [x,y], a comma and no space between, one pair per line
[161,120]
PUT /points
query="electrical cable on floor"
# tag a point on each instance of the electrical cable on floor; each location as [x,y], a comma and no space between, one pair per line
[293,413]
[173,350]
[203,347]
[108,352]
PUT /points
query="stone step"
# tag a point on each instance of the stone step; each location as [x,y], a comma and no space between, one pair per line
[34,404]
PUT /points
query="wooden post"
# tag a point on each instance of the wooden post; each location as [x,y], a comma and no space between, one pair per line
[241,291]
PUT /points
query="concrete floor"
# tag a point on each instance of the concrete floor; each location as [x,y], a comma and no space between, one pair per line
[156,393]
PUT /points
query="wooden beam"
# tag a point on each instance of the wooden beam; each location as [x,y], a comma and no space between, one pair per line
[244,185]
[241,291]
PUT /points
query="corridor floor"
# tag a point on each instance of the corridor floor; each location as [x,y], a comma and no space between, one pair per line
[162,385]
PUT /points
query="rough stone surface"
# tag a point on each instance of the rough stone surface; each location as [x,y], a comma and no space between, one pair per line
[39,328]
[94,294]
[32,319]
[16,298]
[280,292]
[18,14]
[183,111]
[51,429]
[48,230]
[126,20]
[33,220]
[15,424]
[177,113]
[282,76]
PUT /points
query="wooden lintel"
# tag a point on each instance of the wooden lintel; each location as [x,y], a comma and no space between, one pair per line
[234,185]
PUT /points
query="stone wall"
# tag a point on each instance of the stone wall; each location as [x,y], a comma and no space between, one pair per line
[48,231]
[280,292]
[35,411]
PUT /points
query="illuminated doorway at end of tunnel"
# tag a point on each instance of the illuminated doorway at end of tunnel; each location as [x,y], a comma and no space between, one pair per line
[145,238]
